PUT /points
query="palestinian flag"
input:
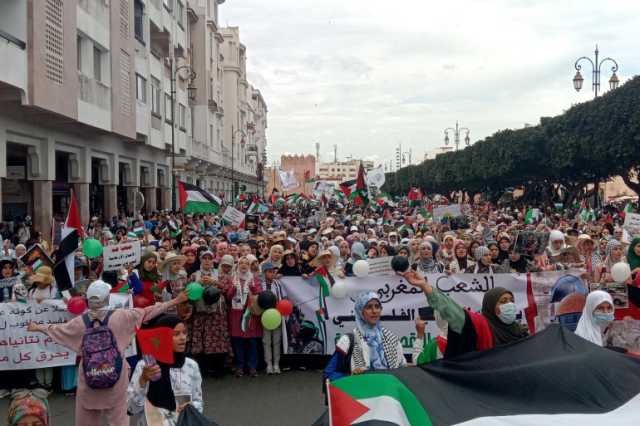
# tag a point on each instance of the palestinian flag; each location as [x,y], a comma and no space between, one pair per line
[552,378]
[196,200]
[70,236]
[347,187]
[415,197]
[629,208]
[308,178]
[360,195]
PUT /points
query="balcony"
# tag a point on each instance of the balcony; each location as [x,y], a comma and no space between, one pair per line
[12,51]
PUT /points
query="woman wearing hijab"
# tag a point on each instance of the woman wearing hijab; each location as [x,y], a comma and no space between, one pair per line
[484,263]
[427,263]
[180,383]
[469,331]
[504,245]
[461,260]
[357,253]
[597,314]
[110,403]
[290,266]
[244,339]
[151,280]
[374,347]
[615,254]
[556,244]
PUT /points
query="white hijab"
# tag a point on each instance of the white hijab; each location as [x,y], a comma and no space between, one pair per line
[587,327]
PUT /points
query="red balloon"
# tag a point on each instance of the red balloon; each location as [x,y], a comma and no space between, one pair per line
[285,307]
[76,305]
[141,301]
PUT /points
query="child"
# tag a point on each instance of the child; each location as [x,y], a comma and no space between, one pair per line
[272,339]
[109,403]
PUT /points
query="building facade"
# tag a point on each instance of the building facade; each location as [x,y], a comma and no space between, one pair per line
[100,98]
[341,171]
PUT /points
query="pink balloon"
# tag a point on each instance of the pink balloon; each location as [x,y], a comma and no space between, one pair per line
[76,305]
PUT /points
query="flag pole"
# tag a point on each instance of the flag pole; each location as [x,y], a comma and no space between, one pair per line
[327,384]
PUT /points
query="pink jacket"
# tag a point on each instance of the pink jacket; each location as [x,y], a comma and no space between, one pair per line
[123,323]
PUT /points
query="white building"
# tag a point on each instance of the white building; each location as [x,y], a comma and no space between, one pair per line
[87,104]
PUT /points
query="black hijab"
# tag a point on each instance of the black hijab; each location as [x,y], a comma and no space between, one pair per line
[502,333]
[290,271]
[160,392]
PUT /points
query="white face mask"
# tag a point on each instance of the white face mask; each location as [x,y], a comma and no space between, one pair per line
[507,313]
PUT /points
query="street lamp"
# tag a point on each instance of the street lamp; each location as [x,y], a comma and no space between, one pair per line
[456,135]
[596,67]
[191,91]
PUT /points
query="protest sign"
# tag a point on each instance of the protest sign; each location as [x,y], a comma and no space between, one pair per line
[380,266]
[453,210]
[116,257]
[632,223]
[251,222]
[530,243]
[20,349]
[233,216]
[308,333]
[36,257]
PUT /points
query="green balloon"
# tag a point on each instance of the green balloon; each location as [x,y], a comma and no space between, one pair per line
[271,319]
[194,291]
[92,248]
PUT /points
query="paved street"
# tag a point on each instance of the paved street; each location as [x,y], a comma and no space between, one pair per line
[291,399]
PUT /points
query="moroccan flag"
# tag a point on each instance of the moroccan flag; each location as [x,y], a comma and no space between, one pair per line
[196,200]
[157,342]
[69,239]
[552,378]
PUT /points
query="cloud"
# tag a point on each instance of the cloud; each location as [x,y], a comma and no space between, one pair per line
[368,75]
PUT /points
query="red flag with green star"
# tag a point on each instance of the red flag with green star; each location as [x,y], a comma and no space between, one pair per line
[157,342]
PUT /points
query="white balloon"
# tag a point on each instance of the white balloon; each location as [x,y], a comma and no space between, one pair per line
[361,268]
[620,272]
[339,289]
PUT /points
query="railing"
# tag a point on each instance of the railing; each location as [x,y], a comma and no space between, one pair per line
[13,40]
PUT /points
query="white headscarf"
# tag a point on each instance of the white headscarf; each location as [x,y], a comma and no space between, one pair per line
[587,327]
[98,299]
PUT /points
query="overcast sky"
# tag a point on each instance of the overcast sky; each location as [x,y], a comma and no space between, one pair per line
[370,74]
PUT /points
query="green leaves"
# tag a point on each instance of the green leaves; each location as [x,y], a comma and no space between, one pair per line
[591,141]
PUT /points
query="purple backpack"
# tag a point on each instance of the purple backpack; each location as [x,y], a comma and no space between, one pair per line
[101,359]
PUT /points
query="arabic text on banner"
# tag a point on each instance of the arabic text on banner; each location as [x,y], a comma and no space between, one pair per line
[400,303]
[117,256]
[20,349]
[453,210]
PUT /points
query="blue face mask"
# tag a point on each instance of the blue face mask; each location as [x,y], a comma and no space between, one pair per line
[507,313]
[601,318]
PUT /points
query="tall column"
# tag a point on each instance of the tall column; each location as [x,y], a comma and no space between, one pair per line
[82,195]
[42,207]
[166,198]
[110,201]
[150,199]
[131,197]
[0,199]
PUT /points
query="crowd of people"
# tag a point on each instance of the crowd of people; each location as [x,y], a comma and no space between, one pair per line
[214,339]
